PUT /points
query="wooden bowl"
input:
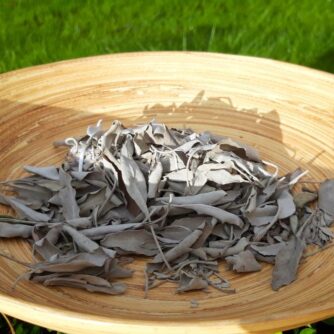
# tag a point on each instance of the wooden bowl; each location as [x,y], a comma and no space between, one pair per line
[286,111]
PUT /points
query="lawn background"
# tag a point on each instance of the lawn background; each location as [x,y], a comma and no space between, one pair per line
[41,31]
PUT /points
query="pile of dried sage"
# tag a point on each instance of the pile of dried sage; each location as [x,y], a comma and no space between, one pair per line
[184,199]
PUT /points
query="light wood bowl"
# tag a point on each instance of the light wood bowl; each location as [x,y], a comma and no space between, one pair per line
[286,111]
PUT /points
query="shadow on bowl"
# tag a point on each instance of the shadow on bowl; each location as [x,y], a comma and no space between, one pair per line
[262,130]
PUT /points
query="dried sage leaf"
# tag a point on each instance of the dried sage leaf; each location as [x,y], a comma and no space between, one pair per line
[287,262]
[183,198]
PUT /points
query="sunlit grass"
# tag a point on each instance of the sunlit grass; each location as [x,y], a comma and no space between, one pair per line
[34,32]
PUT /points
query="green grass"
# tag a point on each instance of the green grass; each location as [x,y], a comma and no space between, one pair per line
[36,32]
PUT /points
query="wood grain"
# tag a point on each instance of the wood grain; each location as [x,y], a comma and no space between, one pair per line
[286,111]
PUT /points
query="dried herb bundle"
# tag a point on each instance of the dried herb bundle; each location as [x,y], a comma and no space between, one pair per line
[186,200]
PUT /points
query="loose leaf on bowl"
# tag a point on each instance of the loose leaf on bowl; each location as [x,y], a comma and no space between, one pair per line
[191,284]
[112,289]
[326,198]
[25,212]
[9,230]
[287,262]
[50,173]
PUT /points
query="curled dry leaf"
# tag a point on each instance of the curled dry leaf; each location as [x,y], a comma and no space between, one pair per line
[134,242]
[134,180]
[243,262]
[191,284]
[67,197]
[50,173]
[268,250]
[154,179]
[220,214]
[181,248]
[207,198]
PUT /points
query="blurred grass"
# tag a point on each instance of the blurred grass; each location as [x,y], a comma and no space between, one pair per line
[34,31]
[21,327]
